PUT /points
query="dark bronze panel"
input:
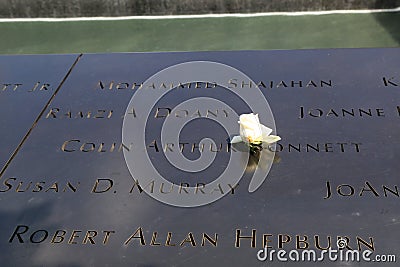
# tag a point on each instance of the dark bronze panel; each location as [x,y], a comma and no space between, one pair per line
[27,84]
[334,175]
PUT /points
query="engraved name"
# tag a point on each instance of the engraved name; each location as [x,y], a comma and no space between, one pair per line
[77,145]
[21,186]
[367,189]
[390,82]
[25,234]
[280,147]
[340,112]
[73,145]
[20,87]
[164,112]
[169,239]
[182,188]
[231,83]
[112,85]
[58,113]
[235,83]
[299,241]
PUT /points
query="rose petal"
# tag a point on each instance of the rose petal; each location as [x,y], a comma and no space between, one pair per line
[236,139]
[271,139]
[265,130]
[243,134]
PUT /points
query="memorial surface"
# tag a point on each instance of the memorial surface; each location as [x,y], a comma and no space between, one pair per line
[130,162]
[26,87]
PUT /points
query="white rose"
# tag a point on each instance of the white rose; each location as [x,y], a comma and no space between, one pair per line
[253,132]
[250,128]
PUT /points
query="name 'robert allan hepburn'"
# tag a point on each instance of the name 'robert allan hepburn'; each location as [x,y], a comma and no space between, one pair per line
[26,234]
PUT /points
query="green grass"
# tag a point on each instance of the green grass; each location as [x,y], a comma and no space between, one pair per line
[273,32]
